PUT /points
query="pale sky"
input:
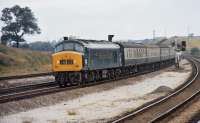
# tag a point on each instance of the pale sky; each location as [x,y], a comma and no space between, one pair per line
[127,19]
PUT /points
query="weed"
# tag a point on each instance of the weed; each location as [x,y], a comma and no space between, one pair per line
[71,112]
[26,122]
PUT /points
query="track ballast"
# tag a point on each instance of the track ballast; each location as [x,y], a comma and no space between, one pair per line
[29,91]
[160,110]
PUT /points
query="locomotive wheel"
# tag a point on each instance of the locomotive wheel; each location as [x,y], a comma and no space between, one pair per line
[66,79]
[74,78]
[108,75]
[132,70]
[83,78]
[61,79]
[71,79]
[88,77]
[118,73]
[101,75]
[91,76]
[112,74]
[96,76]
[58,77]
[153,67]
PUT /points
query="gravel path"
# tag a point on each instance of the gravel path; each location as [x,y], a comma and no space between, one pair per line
[26,81]
[97,103]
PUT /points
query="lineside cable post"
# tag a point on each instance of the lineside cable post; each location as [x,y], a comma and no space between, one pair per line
[178,59]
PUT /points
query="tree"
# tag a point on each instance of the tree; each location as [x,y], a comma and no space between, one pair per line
[18,22]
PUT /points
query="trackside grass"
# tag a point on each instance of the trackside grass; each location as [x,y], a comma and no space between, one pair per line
[14,61]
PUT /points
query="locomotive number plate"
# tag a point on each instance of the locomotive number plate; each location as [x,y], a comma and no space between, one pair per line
[68,61]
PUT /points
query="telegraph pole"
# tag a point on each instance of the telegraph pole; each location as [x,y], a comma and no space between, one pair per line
[154,35]
[165,33]
[188,35]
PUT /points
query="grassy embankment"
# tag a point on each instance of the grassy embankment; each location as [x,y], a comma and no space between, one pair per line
[194,46]
[194,43]
[15,61]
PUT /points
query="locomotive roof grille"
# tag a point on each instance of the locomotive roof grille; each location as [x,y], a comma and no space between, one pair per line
[96,44]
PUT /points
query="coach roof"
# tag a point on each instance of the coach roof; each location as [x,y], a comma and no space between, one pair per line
[131,44]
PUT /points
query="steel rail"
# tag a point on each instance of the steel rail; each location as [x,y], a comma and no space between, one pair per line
[144,108]
[22,93]
[25,76]
[26,87]
[28,93]
[178,106]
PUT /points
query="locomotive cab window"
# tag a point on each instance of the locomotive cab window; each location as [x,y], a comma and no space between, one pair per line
[69,47]
[78,47]
[59,48]
[73,47]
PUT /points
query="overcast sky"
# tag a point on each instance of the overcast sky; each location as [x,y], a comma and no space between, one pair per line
[127,19]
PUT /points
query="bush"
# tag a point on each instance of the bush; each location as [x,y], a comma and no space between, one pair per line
[5,60]
[195,51]
[2,49]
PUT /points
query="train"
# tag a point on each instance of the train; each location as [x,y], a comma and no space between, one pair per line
[80,61]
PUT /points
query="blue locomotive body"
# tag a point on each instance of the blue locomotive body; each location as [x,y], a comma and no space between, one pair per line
[95,60]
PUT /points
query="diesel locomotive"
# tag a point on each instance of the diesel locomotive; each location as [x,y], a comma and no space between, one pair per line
[78,61]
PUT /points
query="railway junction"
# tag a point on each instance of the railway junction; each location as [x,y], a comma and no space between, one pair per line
[146,70]
[116,102]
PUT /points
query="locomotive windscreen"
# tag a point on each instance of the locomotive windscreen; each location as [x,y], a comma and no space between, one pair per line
[69,47]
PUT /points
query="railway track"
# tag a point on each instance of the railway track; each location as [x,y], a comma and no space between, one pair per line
[29,91]
[161,110]
[25,76]
[25,87]
[13,93]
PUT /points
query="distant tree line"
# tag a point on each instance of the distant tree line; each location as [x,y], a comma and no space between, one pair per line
[42,46]
[38,45]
